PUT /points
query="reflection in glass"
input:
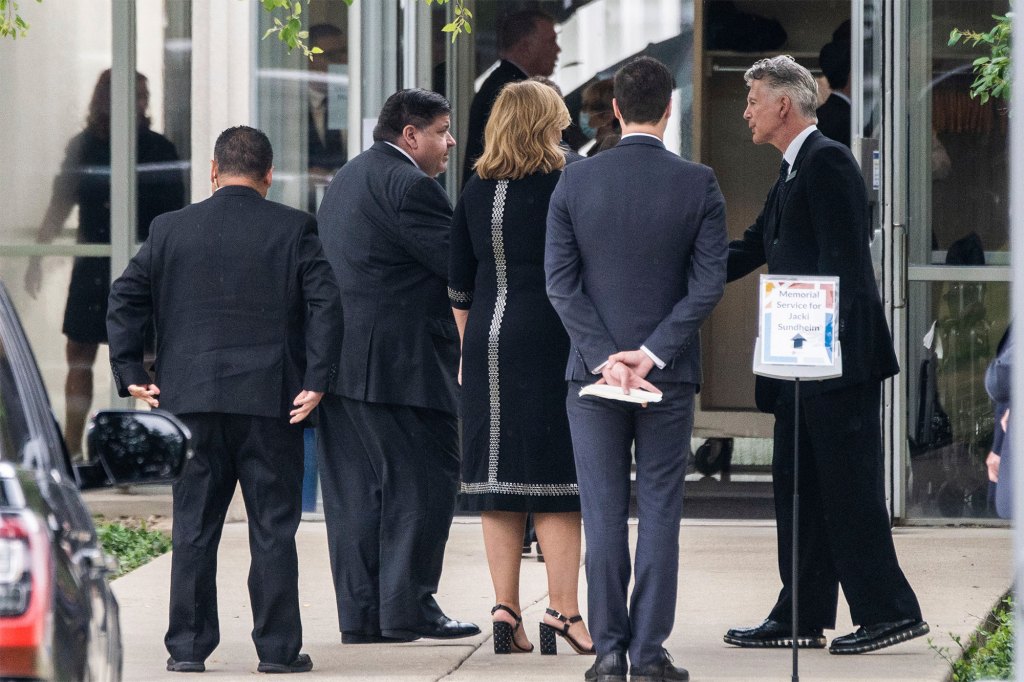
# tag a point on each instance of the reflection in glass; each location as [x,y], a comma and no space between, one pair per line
[84,181]
[950,417]
[958,146]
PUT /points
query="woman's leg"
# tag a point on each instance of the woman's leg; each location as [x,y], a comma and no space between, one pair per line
[559,535]
[78,392]
[503,541]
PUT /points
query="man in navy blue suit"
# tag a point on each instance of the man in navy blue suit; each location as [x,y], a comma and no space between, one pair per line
[635,262]
[815,222]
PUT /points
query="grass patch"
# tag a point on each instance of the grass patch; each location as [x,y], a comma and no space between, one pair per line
[132,543]
[988,652]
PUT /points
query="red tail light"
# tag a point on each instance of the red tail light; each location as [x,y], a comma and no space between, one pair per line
[25,587]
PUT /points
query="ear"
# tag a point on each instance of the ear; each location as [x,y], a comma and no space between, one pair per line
[213,171]
[409,134]
[668,110]
[615,109]
[268,179]
[785,106]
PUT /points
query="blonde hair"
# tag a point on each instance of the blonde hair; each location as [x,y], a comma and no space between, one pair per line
[519,137]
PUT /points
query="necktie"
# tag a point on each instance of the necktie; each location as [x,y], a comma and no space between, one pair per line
[779,186]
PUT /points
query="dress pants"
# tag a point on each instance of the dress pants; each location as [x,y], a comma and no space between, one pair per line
[264,455]
[844,531]
[389,475]
[602,433]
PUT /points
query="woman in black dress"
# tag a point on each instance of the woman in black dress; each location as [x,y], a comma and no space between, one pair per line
[84,180]
[516,450]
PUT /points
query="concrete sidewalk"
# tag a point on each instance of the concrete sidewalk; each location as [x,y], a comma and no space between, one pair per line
[728,577]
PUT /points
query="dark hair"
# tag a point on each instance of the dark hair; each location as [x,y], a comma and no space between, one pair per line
[642,89]
[834,60]
[544,80]
[243,151]
[98,120]
[414,107]
[319,31]
[517,26]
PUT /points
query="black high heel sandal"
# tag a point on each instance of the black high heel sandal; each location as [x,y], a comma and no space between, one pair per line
[548,643]
[505,633]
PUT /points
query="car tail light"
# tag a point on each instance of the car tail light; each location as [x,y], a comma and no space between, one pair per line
[15,567]
[25,588]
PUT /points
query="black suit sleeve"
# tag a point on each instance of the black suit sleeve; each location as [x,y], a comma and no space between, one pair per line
[424,222]
[129,310]
[747,253]
[323,305]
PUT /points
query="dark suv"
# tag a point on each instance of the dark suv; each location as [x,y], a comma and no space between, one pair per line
[58,617]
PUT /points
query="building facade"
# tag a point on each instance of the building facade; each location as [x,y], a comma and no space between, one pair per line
[934,160]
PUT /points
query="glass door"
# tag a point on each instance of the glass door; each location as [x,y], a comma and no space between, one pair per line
[952,160]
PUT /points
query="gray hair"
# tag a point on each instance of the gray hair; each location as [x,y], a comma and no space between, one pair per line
[783,75]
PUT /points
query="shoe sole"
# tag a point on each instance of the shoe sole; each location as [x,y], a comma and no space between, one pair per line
[654,678]
[370,639]
[281,668]
[186,667]
[779,643]
[409,636]
[901,636]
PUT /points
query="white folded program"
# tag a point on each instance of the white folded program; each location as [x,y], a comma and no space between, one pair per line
[635,395]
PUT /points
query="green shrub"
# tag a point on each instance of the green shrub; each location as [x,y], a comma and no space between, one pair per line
[988,653]
[132,544]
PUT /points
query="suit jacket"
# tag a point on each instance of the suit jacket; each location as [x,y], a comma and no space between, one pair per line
[384,225]
[246,308]
[823,228]
[834,119]
[480,111]
[636,255]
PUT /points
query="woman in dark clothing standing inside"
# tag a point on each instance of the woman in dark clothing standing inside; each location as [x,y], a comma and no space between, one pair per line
[517,453]
[84,180]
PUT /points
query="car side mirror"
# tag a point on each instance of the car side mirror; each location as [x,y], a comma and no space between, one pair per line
[134,447]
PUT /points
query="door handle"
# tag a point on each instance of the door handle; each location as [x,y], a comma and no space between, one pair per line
[899,255]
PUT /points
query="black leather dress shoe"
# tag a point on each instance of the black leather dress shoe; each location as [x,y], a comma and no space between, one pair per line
[772,633]
[375,638]
[185,666]
[608,668]
[443,628]
[302,664]
[878,636]
[662,671]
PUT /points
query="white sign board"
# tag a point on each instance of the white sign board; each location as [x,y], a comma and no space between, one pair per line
[797,328]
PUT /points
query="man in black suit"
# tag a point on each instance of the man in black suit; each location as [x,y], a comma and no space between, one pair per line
[327,146]
[834,114]
[635,261]
[247,317]
[815,222]
[387,438]
[527,46]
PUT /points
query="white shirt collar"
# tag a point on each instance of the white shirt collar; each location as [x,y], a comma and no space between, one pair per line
[655,137]
[405,153]
[794,147]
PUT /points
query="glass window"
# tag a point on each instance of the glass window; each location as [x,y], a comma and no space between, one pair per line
[958,164]
[56,236]
[303,105]
[950,416]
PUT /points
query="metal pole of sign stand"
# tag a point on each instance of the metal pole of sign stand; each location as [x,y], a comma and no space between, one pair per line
[794,591]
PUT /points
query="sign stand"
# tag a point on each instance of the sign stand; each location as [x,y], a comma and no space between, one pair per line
[796,525]
[797,340]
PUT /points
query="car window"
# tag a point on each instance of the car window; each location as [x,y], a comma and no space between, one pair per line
[14,433]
